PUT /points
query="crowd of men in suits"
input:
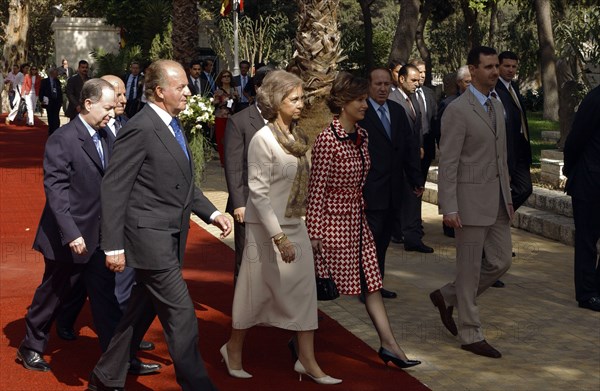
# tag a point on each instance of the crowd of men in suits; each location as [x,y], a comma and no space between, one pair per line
[142,200]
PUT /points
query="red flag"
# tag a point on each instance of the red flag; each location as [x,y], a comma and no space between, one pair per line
[241,6]
[225,7]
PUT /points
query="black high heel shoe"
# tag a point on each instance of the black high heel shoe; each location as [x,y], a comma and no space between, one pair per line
[388,356]
[293,351]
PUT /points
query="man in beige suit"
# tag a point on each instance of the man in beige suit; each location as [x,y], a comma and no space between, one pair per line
[474,197]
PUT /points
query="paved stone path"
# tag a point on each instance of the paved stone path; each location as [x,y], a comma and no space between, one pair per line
[547,342]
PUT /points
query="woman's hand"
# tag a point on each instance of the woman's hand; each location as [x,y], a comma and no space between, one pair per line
[287,250]
[317,246]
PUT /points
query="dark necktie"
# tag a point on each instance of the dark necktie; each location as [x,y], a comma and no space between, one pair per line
[131,89]
[197,85]
[491,112]
[413,114]
[117,126]
[179,136]
[424,119]
[98,143]
[385,121]
[53,88]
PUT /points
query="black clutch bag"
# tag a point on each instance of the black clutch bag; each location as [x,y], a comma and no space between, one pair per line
[326,289]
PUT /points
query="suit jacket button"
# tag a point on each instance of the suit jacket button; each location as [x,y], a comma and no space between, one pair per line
[177,187]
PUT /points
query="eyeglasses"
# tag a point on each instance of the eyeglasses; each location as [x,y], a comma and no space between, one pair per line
[226,76]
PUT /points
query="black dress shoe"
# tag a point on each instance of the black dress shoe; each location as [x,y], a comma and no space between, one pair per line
[445,313]
[482,348]
[146,345]
[32,360]
[136,367]
[66,333]
[498,284]
[388,294]
[397,240]
[422,248]
[387,356]
[96,385]
[591,304]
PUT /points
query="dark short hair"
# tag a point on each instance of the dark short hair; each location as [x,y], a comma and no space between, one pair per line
[416,62]
[135,62]
[378,69]
[404,70]
[206,61]
[245,62]
[195,62]
[92,90]
[474,54]
[346,88]
[82,62]
[261,73]
[507,55]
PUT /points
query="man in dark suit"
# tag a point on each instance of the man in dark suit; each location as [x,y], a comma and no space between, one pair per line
[207,75]
[196,84]
[69,231]
[148,194]
[134,84]
[240,82]
[582,167]
[73,89]
[518,146]
[240,129]
[428,107]
[394,154]
[64,69]
[51,98]
[409,224]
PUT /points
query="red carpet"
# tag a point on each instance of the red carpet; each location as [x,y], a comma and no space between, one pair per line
[209,275]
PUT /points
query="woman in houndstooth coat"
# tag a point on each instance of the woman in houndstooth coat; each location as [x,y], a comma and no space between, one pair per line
[335,217]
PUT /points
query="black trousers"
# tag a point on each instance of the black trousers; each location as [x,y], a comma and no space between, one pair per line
[57,282]
[410,217]
[520,183]
[163,293]
[586,214]
[53,112]
[381,223]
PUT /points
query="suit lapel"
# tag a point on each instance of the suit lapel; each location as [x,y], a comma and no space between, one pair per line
[373,117]
[480,111]
[256,120]
[87,144]
[171,144]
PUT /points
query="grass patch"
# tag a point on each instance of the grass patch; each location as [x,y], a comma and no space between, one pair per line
[536,126]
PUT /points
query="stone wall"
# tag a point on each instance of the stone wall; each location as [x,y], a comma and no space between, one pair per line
[75,38]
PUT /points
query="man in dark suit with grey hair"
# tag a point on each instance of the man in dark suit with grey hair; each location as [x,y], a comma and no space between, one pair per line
[148,194]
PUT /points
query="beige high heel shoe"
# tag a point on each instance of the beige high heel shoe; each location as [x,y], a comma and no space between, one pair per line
[298,367]
[239,373]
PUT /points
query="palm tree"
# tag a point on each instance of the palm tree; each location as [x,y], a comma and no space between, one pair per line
[317,54]
[185,30]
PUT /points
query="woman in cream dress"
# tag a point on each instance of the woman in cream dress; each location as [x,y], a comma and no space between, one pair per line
[276,283]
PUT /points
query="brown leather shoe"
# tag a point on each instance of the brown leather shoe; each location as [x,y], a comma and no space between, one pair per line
[445,313]
[482,348]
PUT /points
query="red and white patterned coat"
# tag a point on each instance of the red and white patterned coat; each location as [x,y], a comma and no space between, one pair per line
[335,211]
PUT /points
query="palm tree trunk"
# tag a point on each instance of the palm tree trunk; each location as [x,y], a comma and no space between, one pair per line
[185,31]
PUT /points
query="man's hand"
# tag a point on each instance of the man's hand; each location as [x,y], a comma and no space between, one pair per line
[78,246]
[419,191]
[421,153]
[453,220]
[238,214]
[224,224]
[116,263]
[511,211]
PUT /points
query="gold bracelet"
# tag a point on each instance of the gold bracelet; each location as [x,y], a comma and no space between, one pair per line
[280,239]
